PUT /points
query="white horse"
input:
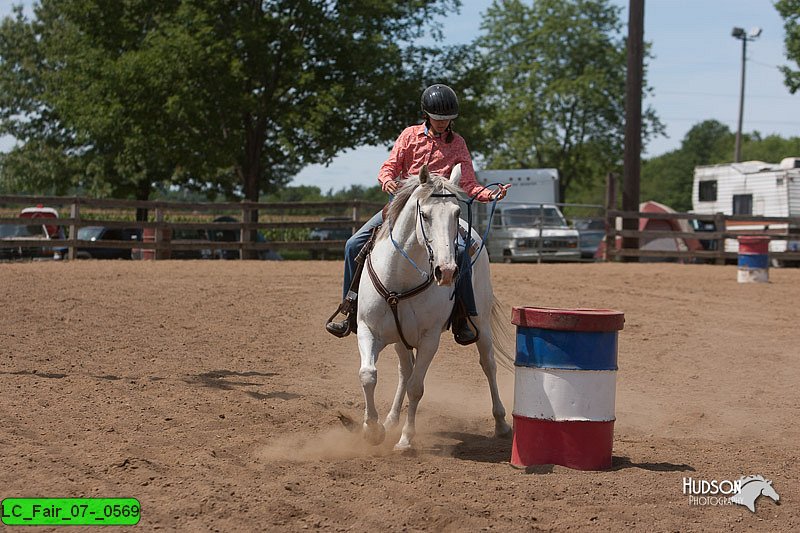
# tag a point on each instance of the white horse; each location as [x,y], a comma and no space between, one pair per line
[417,241]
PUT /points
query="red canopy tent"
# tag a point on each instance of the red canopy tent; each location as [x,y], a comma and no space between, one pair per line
[654,224]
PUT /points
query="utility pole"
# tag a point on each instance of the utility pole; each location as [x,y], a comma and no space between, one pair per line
[633,123]
[739,33]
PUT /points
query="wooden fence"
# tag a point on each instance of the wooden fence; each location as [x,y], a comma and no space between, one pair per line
[165,219]
[726,227]
[287,221]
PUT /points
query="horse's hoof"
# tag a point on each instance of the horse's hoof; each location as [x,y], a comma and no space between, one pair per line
[402,447]
[390,422]
[374,433]
[503,432]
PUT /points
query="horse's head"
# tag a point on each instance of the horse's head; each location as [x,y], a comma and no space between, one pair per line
[768,491]
[437,221]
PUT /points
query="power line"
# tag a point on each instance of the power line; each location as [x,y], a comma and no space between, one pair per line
[696,119]
[715,95]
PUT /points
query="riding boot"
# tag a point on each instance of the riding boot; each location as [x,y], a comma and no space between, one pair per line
[464,331]
[348,307]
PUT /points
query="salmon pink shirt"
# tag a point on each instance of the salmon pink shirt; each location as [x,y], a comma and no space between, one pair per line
[417,146]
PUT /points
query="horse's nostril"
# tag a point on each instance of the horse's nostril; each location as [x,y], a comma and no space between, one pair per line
[437,273]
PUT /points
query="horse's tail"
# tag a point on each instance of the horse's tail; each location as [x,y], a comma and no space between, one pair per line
[503,336]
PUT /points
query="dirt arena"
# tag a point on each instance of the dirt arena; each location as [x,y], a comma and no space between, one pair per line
[211,393]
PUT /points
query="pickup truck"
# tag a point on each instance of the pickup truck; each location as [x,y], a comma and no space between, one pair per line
[16,239]
[531,232]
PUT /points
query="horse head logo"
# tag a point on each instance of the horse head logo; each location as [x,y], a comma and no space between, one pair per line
[751,488]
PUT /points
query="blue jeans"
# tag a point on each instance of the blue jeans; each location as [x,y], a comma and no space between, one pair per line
[353,247]
[463,292]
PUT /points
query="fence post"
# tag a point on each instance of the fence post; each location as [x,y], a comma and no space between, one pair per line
[541,231]
[244,234]
[247,236]
[160,234]
[74,214]
[356,206]
[719,226]
[611,222]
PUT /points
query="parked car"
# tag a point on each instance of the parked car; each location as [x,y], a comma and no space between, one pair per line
[181,234]
[330,234]
[232,235]
[701,226]
[31,229]
[102,233]
[592,232]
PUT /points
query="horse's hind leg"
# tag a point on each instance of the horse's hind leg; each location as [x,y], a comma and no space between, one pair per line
[369,349]
[404,368]
[489,366]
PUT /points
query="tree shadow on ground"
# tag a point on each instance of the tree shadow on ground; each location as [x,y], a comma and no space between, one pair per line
[218,379]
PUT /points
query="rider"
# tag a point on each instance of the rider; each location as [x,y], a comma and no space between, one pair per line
[432,143]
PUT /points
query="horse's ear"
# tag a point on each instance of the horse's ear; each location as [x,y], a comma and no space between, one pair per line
[424,175]
[455,174]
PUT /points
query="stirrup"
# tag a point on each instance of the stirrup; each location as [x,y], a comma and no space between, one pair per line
[346,326]
[464,331]
[339,329]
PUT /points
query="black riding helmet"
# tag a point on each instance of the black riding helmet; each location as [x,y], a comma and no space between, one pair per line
[440,102]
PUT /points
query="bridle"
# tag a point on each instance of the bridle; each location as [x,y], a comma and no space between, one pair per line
[393,298]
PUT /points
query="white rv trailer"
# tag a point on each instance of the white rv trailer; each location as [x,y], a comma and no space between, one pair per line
[751,188]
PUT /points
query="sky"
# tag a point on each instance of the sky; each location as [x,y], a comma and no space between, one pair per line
[694,72]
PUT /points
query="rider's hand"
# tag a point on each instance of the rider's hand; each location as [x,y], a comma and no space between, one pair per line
[390,186]
[500,193]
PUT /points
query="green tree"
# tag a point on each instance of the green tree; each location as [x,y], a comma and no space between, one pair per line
[223,96]
[668,178]
[557,90]
[772,148]
[790,11]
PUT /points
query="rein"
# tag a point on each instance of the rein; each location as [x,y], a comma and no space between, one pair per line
[393,298]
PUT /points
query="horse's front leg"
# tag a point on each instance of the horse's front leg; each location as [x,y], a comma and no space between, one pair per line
[416,387]
[404,368]
[370,348]
[489,366]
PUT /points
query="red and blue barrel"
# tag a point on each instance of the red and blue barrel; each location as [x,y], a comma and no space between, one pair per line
[565,386]
[753,259]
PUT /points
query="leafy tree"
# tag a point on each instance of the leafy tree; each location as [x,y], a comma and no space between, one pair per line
[223,96]
[772,148]
[557,88]
[790,11]
[668,178]
[359,192]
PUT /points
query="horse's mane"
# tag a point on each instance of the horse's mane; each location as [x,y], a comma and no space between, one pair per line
[435,184]
[748,479]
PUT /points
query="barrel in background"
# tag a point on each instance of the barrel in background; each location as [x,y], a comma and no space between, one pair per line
[753,260]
